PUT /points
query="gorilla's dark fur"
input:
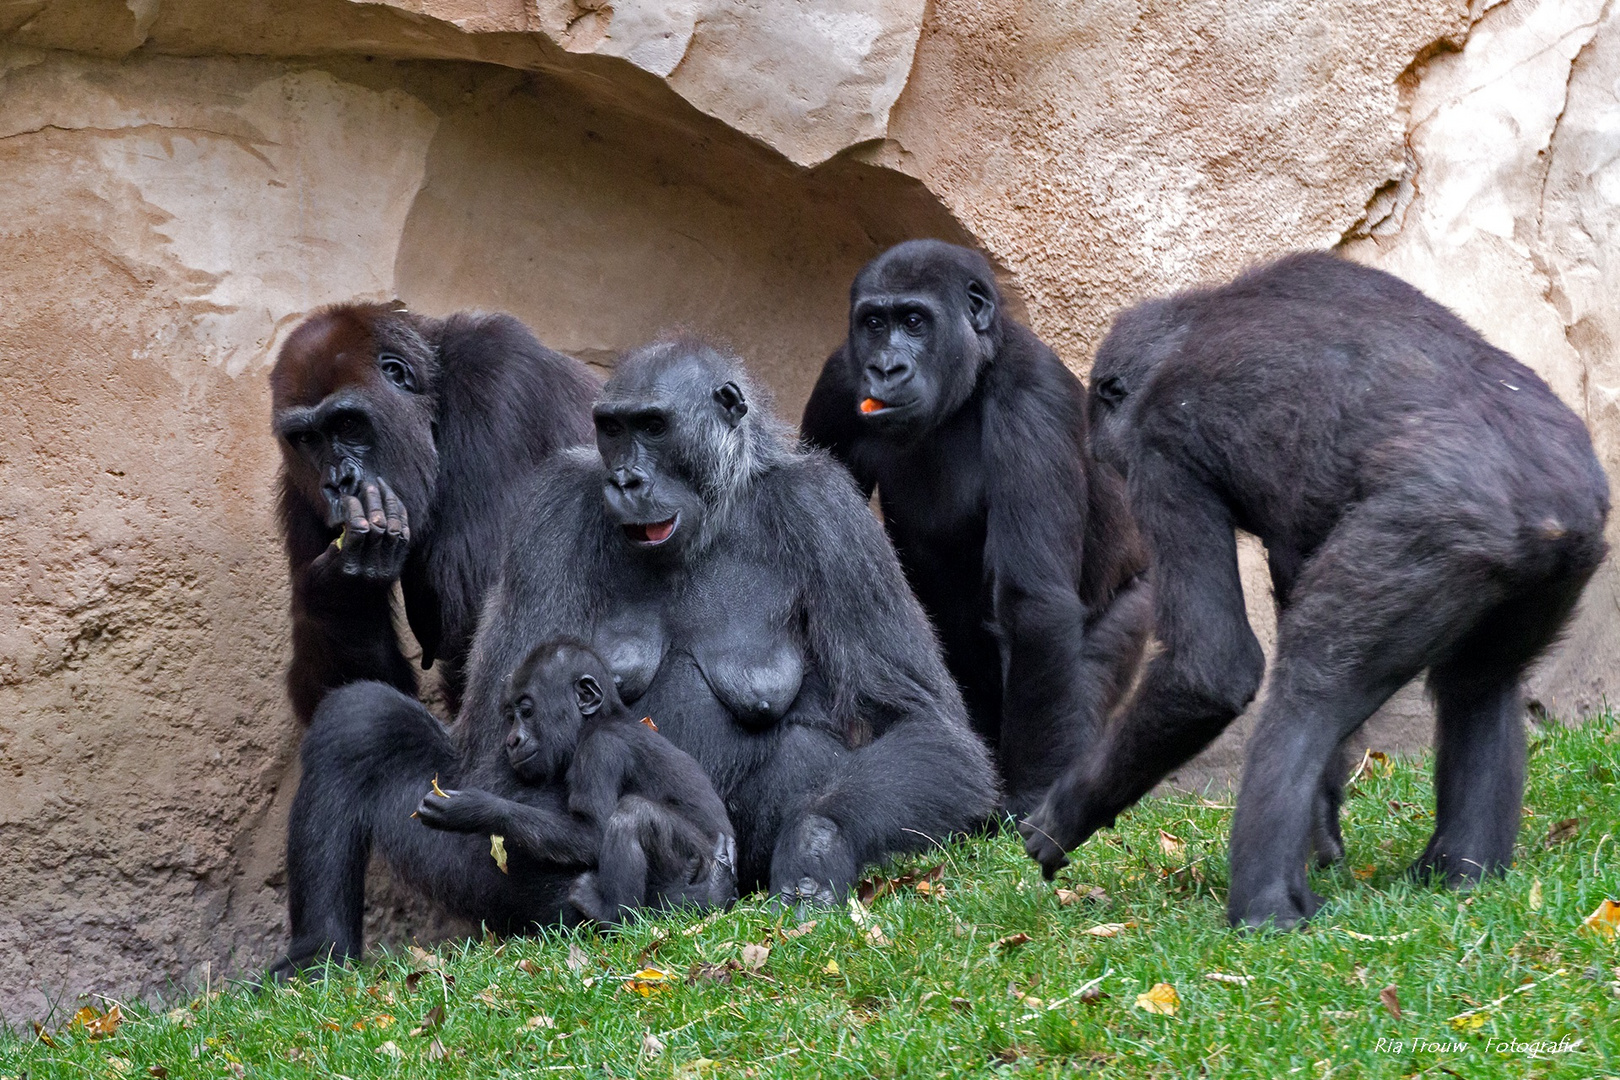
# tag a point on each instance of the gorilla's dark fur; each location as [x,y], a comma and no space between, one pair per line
[741,595]
[1020,547]
[403,438]
[665,838]
[1426,503]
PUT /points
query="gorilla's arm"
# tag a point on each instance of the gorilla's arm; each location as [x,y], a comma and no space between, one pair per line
[924,775]
[1207,672]
[1052,690]
[342,623]
[542,833]
[829,419]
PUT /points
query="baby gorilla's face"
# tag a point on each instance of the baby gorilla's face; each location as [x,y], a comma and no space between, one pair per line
[542,726]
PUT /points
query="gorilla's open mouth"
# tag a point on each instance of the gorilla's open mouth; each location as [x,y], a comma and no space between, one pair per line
[653,533]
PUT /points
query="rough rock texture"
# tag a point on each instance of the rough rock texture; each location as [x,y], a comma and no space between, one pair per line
[181,178]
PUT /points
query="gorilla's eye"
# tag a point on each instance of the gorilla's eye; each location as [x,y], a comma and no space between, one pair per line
[914,322]
[397,371]
[873,323]
[1110,391]
[303,438]
[654,426]
[607,425]
[525,707]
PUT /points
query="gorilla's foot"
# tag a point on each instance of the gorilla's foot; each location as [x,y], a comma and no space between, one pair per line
[1281,906]
[1456,870]
[814,863]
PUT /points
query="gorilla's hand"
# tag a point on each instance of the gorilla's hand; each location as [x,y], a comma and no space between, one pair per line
[813,862]
[457,811]
[1041,843]
[376,536]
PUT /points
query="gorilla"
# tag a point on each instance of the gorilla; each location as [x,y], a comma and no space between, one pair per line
[666,840]
[402,438]
[1020,547]
[1426,503]
[741,596]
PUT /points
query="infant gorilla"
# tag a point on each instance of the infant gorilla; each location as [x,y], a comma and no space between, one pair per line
[665,837]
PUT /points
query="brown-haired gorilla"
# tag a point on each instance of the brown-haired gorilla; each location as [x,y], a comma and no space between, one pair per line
[1020,547]
[403,438]
[740,594]
[1426,502]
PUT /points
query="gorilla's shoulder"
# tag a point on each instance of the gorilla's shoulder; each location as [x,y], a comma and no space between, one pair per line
[565,488]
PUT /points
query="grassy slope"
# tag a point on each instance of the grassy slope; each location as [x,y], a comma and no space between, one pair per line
[1311,1008]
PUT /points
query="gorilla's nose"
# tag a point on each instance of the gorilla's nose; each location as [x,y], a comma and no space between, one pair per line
[344,479]
[890,371]
[626,478]
[514,738]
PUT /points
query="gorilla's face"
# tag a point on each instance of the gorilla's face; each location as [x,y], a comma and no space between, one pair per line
[917,351]
[353,402]
[544,706]
[648,496]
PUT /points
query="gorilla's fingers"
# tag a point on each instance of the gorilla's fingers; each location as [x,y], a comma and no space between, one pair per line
[394,512]
[374,506]
[355,516]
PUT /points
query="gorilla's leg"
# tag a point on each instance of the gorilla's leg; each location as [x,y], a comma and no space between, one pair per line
[621,866]
[369,751]
[1207,672]
[1479,731]
[1033,750]
[1372,608]
[1326,839]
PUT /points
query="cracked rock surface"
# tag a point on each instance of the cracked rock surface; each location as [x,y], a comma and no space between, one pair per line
[182,178]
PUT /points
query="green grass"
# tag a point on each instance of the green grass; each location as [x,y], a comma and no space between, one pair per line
[937,996]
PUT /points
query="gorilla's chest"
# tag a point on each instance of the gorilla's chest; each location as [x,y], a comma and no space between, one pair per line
[730,627]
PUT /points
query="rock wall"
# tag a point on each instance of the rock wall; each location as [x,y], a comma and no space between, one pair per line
[181,178]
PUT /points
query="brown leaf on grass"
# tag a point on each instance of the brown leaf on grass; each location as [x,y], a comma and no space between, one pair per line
[1173,846]
[796,931]
[1094,894]
[1604,920]
[875,936]
[157,1072]
[528,967]
[754,956]
[1162,999]
[874,888]
[720,973]
[1364,873]
[1093,995]
[431,1022]
[1012,941]
[489,996]
[42,1035]
[97,1024]
[1373,763]
[1390,998]
[652,1045]
[535,1023]
[1562,831]
[436,1051]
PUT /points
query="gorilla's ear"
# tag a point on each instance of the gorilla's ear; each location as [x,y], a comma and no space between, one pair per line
[729,397]
[1111,391]
[589,694]
[981,308]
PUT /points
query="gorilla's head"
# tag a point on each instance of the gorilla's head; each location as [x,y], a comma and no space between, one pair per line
[353,398]
[924,319]
[545,702]
[1138,342]
[682,433]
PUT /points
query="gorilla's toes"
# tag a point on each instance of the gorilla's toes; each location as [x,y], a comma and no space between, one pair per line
[1281,908]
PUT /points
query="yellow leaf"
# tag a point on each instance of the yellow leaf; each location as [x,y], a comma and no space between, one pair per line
[1364,873]
[1162,999]
[535,1022]
[118,1065]
[1469,1021]
[1374,763]
[649,981]
[831,968]
[497,850]
[438,790]
[1172,846]
[1535,895]
[1604,920]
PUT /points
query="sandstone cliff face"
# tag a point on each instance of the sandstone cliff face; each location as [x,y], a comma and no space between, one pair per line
[181,178]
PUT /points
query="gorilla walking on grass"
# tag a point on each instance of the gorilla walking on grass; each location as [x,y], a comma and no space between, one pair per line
[1426,503]
[741,595]
[1019,546]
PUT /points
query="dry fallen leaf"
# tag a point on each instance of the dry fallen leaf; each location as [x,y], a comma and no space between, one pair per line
[1535,895]
[1373,763]
[1390,997]
[648,721]
[577,959]
[1364,873]
[157,1072]
[651,1045]
[489,996]
[436,1051]
[857,912]
[1012,941]
[497,850]
[1223,977]
[1108,929]
[1171,845]
[1162,999]
[1604,920]
[430,1022]
[425,959]
[42,1035]
[875,936]
[119,1065]
[754,956]
[390,1049]
[1562,831]
[534,1023]
[797,931]
[720,973]
[649,981]
[528,967]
